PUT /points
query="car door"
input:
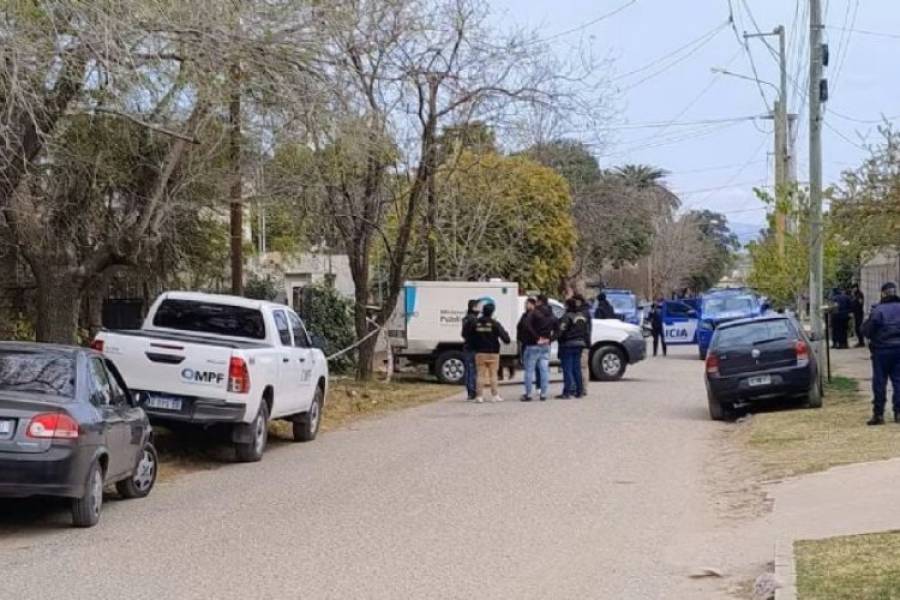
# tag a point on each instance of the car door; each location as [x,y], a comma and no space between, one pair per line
[679,322]
[288,391]
[134,418]
[306,358]
[115,430]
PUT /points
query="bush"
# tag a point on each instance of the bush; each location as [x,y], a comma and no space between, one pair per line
[260,288]
[329,319]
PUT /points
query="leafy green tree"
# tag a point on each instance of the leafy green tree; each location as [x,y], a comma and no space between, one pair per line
[502,217]
[722,244]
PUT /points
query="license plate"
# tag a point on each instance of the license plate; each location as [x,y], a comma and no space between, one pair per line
[6,427]
[163,403]
[760,380]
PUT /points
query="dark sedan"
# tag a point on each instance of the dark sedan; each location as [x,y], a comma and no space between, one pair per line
[759,358]
[69,427]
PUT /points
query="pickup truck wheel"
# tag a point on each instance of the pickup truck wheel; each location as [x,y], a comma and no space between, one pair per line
[306,427]
[143,479]
[608,363]
[86,510]
[451,367]
[253,450]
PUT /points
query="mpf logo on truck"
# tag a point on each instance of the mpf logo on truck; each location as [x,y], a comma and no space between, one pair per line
[192,376]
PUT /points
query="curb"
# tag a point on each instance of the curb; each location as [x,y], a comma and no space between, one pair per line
[785,570]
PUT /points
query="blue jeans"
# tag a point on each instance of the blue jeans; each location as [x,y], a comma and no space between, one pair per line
[537,357]
[570,357]
[471,373]
[885,365]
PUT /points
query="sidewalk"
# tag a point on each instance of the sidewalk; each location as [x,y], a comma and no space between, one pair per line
[847,500]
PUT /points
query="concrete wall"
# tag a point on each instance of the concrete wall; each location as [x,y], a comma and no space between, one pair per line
[294,272]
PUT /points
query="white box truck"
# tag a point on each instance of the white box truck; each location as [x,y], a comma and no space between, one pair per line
[427,324]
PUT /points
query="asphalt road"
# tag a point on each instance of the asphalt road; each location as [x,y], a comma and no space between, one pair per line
[603,497]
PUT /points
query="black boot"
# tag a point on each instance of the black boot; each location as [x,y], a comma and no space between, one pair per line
[876,420]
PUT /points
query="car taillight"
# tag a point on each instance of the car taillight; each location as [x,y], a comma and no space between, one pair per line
[802,351]
[712,364]
[97,345]
[238,376]
[52,426]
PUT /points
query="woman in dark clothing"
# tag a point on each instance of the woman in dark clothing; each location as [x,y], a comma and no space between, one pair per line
[656,327]
[574,330]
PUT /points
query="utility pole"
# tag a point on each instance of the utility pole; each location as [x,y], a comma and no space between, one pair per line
[234,155]
[816,56]
[781,139]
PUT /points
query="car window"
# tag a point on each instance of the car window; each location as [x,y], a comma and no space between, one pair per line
[209,317]
[116,384]
[101,390]
[729,304]
[622,303]
[301,339]
[678,309]
[37,373]
[281,324]
[755,332]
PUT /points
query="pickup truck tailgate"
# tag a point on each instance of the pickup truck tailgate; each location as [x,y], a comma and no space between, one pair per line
[170,366]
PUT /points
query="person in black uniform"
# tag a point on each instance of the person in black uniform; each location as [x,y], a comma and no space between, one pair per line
[858,307]
[840,318]
[657,327]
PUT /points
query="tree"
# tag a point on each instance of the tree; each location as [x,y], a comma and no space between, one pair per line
[722,244]
[503,217]
[679,250]
[400,71]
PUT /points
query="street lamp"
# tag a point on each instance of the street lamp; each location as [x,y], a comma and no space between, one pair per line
[721,71]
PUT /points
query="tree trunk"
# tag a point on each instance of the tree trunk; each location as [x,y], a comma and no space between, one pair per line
[366,350]
[59,296]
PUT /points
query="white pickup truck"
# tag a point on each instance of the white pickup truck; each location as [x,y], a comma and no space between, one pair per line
[223,360]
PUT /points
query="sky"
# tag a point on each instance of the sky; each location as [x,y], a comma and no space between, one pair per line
[677,114]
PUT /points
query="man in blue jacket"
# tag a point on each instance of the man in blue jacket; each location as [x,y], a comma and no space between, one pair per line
[883,331]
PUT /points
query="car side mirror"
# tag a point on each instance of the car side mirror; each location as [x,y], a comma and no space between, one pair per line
[692,313]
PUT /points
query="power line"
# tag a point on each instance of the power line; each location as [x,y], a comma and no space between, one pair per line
[863,121]
[584,26]
[843,136]
[758,30]
[671,53]
[703,41]
[895,36]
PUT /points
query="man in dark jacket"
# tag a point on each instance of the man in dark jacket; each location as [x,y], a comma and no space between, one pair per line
[486,335]
[882,328]
[604,309]
[574,329]
[585,308]
[469,354]
[542,325]
[858,307]
[526,338]
[656,326]
[840,318]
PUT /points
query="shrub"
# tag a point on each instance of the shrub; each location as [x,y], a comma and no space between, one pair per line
[329,319]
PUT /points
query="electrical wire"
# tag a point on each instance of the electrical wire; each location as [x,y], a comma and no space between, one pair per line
[584,26]
[730,181]
[671,53]
[895,36]
[759,31]
[678,124]
[705,40]
[831,111]
[843,136]
[842,56]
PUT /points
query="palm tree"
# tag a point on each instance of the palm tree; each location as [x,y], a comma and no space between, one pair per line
[641,176]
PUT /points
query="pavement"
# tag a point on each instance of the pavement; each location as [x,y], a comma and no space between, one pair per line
[623,495]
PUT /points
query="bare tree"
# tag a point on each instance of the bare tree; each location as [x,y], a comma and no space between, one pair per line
[400,72]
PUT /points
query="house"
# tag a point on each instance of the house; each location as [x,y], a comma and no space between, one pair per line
[296,271]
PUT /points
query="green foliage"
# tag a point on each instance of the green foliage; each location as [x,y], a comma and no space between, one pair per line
[501,216]
[785,277]
[261,288]
[329,320]
[722,243]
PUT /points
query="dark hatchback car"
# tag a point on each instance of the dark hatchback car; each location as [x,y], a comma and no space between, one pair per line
[760,358]
[69,427]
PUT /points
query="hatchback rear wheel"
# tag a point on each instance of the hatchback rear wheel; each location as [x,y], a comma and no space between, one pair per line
[86,510]
[717,412]
[143,479]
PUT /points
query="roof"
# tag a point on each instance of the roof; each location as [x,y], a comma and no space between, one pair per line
[766,317]
[221,299]
[43,348]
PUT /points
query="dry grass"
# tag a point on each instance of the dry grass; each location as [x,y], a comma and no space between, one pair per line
[793,442]
[857,567]
[348,401]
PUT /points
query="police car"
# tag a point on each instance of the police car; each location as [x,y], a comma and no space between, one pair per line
[720,306]
[625,305]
